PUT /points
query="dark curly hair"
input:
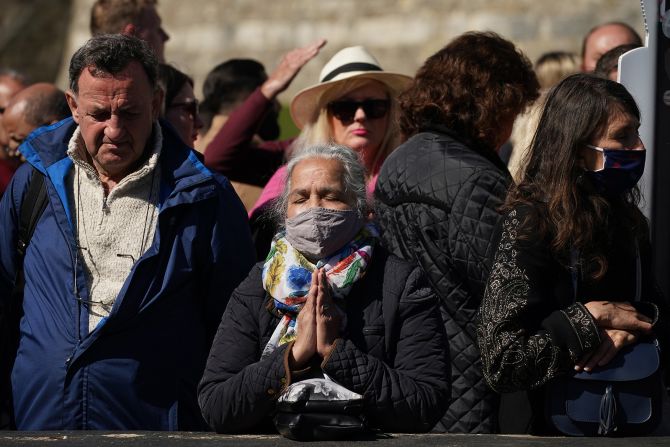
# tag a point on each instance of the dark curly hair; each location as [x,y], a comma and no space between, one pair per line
[565,207]
[471,86]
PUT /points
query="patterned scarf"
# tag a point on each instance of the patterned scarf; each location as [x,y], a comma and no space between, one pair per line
[287,277]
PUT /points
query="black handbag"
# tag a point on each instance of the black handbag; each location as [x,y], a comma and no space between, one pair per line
[310,419]
[622,398]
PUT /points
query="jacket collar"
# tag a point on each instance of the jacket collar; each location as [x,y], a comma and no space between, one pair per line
[46,150]
[485,151]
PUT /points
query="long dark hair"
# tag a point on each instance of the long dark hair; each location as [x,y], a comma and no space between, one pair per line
[566,208]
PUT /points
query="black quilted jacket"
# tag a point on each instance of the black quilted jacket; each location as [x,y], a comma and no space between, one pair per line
[436,203]
[394,354]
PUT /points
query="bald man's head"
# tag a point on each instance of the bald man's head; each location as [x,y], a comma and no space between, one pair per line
[10,84]
[602,38]
[35,106]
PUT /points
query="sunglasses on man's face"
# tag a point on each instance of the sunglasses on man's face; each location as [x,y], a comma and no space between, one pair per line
[190,107]
[345,110]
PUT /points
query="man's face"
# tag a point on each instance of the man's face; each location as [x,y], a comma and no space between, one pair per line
[115,116]
[16,127]
[150,29]
[601,41]
[8,88]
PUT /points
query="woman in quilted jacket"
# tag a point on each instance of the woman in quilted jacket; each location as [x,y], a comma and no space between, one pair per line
[572,282]
[438,194]
[328,303]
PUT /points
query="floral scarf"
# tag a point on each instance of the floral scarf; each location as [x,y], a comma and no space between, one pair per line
[287,277]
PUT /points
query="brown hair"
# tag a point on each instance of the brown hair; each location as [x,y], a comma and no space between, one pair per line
[110,16]
[472,85]
[565,208]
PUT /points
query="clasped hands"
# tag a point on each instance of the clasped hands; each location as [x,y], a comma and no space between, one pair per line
[620,325]
[318,323]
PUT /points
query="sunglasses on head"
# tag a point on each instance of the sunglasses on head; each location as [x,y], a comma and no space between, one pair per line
[190,107]
[345,110]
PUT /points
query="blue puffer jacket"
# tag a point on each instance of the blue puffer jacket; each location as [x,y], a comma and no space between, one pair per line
[140,369]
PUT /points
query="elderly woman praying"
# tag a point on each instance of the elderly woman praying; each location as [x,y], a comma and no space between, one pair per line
[328,301]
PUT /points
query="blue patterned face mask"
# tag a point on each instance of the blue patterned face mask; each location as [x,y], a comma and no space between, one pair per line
[622,169]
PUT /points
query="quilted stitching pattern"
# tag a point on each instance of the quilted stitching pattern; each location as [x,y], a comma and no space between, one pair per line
[436,204]
[405,392]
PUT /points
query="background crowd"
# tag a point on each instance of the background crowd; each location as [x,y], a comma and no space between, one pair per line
[393,230]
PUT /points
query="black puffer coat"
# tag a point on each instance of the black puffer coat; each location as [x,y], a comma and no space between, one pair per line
[394,354]
[436,204]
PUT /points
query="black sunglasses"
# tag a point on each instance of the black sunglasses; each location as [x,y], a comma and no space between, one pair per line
[190,107]
[346,110]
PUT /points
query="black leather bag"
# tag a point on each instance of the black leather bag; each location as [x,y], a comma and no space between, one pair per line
[623,398]
[318,412]
[320,421]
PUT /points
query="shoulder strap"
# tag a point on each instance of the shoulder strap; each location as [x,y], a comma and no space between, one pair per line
[32,208]
[34,203]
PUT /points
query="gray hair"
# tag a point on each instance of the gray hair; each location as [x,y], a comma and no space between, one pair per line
[110,54]
[353,178]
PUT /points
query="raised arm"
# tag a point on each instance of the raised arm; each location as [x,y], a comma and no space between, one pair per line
[233,152]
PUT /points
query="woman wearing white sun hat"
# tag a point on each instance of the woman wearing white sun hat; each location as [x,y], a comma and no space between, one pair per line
[353,104]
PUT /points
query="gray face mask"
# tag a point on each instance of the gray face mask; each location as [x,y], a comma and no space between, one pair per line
[320,232]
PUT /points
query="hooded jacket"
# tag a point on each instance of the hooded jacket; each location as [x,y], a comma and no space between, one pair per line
[140,368]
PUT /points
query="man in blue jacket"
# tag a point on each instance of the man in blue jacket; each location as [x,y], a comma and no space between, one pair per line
[130,265]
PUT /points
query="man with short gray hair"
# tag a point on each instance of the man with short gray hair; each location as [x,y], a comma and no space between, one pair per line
[131,264]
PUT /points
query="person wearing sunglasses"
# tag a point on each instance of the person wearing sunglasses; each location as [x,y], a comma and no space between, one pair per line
[181,106]
[572,282]
[353,104]
[438,193]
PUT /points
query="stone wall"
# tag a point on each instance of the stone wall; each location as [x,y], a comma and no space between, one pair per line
[401,33]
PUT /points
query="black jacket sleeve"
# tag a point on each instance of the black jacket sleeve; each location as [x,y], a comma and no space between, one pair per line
[412,393]
[238,391]
[525,337]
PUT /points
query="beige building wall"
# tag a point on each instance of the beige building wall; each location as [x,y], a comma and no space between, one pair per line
[401,33]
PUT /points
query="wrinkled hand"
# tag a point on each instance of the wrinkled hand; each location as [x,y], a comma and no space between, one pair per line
[623,316]
[288,68]
[328,318]
[304,347]
[612,342]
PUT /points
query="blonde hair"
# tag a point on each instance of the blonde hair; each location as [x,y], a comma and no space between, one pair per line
[318,130]
[551,68]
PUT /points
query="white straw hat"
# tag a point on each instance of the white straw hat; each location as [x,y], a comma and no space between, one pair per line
[345,64]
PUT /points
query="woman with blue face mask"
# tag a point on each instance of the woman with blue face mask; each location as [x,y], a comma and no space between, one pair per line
[572,282]
[328,303]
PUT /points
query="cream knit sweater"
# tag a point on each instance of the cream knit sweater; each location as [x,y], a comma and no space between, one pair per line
[112,230]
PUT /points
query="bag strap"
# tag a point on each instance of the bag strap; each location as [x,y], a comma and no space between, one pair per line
[575,271]
[32,208]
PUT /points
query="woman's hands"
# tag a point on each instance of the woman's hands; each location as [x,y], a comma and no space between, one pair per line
[318,323]
[620,325]
[608,314]
[612,340]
